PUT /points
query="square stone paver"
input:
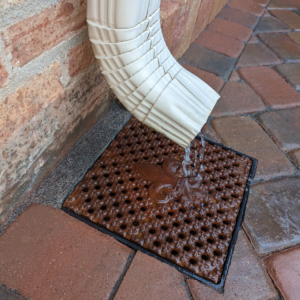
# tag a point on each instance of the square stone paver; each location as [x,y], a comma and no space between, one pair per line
[283,126]
[284,269]
[47,254]
[246,278]
[272,215]
[291,72]
[245,135]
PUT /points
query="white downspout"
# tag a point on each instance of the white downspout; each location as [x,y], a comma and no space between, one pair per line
[129,46]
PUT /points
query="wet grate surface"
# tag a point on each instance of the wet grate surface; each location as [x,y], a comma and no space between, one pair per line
[121,190]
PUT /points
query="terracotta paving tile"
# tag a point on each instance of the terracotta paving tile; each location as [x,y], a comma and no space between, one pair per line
[273,89]
[284,268]
[234,77]
[257,55]
[211,79]
[247,6]
[148,279]
[209,133]
[282,45]
[246,278]
[270,24]
[272,215]
[295,36]
[237,98]
[220,43]
[294,156]
[208,60]
[231,29]
[283,126]
[246,136]
[46,254]
[284,4]
[238,16]
[261,2]
[289,17]
[291,72]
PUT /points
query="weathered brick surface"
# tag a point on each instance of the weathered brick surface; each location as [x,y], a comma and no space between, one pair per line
[208,132]
[257,55]
[220,43]
[269,24]
[238,16]
[282,45]
[253,40]
[283,126]
[46,254]
[246,278]
[211,79]
[30,37]
[234,76]
[246,136]
[273,89]
[284,269]
[289,17]
[208,60]
[291,72]
[247,6]
[3,74]
[237,98]
[272,215]
[148,279]
[231,29]
[295,36]
[261,2]
[80,57]
[36,94]
[284,4]
[294,156]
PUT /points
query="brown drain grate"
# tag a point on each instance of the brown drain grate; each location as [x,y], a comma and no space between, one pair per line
[114,194]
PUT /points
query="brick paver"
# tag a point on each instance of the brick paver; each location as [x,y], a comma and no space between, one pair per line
[148,279]
[247,6]
[246,136]
[246,278]
[269,24]
[237,98]
[231,29]
[257,55]
[211,79]
[220,43]
[272,216]
[261,2]
[295,36]
[288,17]
[284,268]
[283,126]
[294,156]
[238,16]
[210,133]
[208,60]
[46,254]
[272,88]
[234,76]
[283,4]
[291,73]
[286,48]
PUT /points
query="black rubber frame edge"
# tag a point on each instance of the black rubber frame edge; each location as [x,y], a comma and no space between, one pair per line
[219,286]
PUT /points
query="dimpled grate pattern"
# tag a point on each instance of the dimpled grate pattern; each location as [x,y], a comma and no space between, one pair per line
[195,236]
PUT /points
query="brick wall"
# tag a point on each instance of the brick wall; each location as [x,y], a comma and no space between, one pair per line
[51,90]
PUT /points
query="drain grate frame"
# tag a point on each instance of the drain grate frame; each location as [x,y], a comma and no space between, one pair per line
[220,284]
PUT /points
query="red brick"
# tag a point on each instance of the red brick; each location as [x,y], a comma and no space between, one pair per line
[211,79]
[36,94]
[238,16]
[291,72]
[30,37]
[257,55]
[80,57]
[148,279]
[282,45]
[253,40]
[295,36]
[294,156]
[246,278]
[246,136]
[237,98]
[3,74]
[247,6]
[270,24]
[261,2]
[288,17]
[209,133]
[284,269]
[220,43]
[274,90]
[283,126]
[284,4]
[234,77]
[46,254]
[231,29]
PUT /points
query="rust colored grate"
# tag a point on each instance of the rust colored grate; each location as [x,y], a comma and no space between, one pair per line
[121,190]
